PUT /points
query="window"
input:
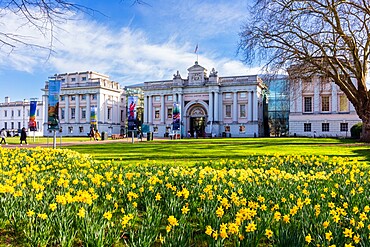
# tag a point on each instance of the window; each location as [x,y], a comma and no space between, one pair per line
[63,80]
[5,125]
[81,129]
[62,97]
[307,104]
[307,127]
[84,78]
[73,97]
[242,111]
[325,127]
[122,116]
[5,113]
[19,125]
[73,113]
[83,97]
[62,113]
[12,113]
[156,115]
[155,129]
[19,113]
[169,98]
[109,113]
[325,103]
[12,124]
[227,95]
[227,128]
[83,113]
[344,127]
[243,95]
[94,96]
[242,129]
[28,112]
[343,104]
[169,112]
[73,79]
[157,98]
[38,112]
[227,110]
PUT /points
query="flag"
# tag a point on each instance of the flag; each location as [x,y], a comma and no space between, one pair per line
[196,49]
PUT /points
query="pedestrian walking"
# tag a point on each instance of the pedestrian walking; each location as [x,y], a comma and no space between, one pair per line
[23,136]
[3,136]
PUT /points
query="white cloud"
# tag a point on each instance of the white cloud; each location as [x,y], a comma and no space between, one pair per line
[127,55]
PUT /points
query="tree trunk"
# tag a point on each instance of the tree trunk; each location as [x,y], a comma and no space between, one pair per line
[365,136]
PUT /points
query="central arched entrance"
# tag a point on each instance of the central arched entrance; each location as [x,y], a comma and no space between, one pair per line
[197,121]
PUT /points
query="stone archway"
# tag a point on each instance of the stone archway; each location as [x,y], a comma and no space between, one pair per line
[197,120]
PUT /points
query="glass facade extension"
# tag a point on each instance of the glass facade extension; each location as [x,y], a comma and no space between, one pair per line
[278,105]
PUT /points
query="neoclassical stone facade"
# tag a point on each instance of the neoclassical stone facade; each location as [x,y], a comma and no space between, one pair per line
[82,91]
[210,105]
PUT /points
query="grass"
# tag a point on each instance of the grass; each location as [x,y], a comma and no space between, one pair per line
[192,150]
[46,140]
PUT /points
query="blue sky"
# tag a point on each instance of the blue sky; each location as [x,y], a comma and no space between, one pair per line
[130,43]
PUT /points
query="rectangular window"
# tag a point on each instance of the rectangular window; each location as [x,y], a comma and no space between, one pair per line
[242,113]
[325,127]
[37,112]
[63,80]
[169,112]
[122,116]
[5,113]
[73,97]
[109,113]
[228,111]
[81,129]
[307,127]
[84,78]
[227,95]
[243,95]
[307,104]
[169,98]
[83,113]
[94,96]
[62,97]
[19,113]
[12,113]
[227,128]
[156,111]
[12,124]
[325,102]
[5,125]
[157,98]
[73,79]
[62,113]
[83,97]
[344,127]
[19,125]
[242,129]
[155,129]
[343,104]
[73,113]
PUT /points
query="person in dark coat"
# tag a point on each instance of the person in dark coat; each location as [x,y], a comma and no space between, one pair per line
[23,136]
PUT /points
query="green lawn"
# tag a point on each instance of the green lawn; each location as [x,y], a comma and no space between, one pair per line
[45,140]
[190,150]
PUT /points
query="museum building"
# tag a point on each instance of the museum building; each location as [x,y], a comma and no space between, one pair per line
[210,105]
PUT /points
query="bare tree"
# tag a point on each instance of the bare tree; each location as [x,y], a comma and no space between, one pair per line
[330,38]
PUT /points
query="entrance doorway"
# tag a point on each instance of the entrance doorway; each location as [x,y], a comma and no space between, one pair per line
[197,126]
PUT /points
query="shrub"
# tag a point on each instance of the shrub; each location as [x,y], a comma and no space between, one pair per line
[356,130]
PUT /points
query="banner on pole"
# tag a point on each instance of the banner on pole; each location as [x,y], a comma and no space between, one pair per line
[32,121]
[53,104]
[131,109]
[176,117]
[93,117]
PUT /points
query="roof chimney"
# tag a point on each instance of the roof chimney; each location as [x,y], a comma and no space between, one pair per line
[7,99]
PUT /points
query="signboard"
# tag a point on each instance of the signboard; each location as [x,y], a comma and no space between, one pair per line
[53,104]
[176,117]
[131,109]
[32,121]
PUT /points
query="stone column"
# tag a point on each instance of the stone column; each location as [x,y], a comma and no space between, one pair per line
[216,106]
[163,109]
[235,107]
[316,96]
[210,107]
[145,109]
[255,106]
[98,108]
[150,110]
[78,117]
[250,106]
[88,106]
[66,110]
